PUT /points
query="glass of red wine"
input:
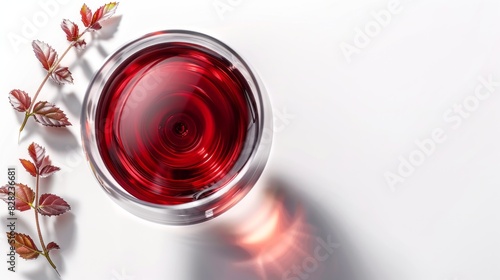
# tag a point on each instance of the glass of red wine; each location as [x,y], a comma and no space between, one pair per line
[176,127]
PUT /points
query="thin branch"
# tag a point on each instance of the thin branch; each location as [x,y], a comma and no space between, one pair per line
[44,81]
[45,251]
[39,90]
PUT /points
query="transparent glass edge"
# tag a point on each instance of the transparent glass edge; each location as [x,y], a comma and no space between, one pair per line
[195,211]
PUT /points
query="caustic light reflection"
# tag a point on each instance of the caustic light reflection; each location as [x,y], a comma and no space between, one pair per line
[278,240]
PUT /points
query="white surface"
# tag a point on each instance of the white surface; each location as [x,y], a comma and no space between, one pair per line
[350,122]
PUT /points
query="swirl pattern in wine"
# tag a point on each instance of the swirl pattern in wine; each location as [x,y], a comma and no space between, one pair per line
[172,122]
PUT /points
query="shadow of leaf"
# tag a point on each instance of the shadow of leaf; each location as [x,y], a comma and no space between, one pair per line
[109,28]
[73,103]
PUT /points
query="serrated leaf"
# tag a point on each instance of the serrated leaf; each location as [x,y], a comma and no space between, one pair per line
[19,100]
[29,166]
[24,196]
[37,154]
[96,26]
[80,45]
[86,15]
[52,205]
[61,75]
[48,170]
[71,30]
[102,14]
[52,246]
[49,115]
[24,246]
[45,54]
[4,193]
[46,161]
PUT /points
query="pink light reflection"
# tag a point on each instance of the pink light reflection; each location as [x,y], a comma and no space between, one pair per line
[275,238]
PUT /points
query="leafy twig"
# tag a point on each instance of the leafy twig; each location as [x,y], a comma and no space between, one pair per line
[44,112]
[45,205]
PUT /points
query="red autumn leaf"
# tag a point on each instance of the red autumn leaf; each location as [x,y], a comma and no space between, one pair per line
[102,14]
[52,246]
[29,166]
[52,205]
[37,154]
[46,161]
[62,75]
[24,246]
[49,115]
[80,45]
[86,15]
[45,54]
[96,26]
[19,100]
[71,30]
[24,196]
[4,193]
[48,170]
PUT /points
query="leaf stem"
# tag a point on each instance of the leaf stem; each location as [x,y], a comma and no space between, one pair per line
[26,117]
[45,251]
[39,90]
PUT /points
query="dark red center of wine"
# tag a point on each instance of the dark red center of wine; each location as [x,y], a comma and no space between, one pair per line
[180,129]
[172,121]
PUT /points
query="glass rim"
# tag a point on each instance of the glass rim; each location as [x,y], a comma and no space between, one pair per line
[201,209]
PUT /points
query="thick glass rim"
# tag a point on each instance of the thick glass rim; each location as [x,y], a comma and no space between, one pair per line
[207,207]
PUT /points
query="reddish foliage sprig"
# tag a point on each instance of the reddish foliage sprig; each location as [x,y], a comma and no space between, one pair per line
[45,112]
[26,199]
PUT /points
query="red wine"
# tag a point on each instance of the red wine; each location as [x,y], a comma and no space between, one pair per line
[172,121]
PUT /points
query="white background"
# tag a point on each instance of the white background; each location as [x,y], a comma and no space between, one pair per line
[350,118]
